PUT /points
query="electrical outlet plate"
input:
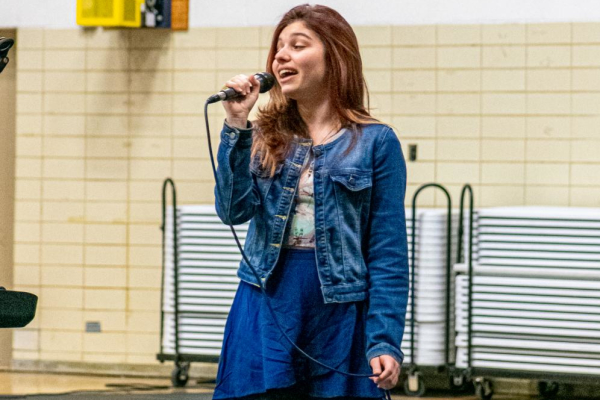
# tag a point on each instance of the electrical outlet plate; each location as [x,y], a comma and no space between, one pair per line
[93,327]
[412,152]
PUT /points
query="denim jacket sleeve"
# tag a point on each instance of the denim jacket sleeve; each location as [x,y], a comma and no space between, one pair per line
[236,196]
[387,251]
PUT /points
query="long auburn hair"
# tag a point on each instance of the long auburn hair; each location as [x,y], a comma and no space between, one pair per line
[279,120]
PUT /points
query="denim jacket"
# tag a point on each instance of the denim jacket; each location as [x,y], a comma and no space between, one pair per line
[360,227]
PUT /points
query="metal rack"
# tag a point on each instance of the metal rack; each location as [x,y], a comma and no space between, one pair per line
[462,378]
[180,374]
[200,260]
[414,385]
[530,305]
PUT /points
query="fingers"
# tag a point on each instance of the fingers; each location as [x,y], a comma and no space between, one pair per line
[376,367]
[239,107]
[389,371]
[255,84]
[242,84]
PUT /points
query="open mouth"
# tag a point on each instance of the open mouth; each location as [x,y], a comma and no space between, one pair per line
[286,73]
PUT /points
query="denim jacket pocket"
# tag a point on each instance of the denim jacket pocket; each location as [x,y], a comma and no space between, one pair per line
[353,180]
[352,193]
[351,187]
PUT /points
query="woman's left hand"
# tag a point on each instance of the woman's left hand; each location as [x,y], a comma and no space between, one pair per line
[389,371]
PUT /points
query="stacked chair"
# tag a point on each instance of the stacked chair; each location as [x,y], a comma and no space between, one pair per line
[431,322]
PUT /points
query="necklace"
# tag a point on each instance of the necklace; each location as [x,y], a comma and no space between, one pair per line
[331,133]
[308,165]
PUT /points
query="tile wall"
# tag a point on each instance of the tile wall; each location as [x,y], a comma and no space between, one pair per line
[104,116]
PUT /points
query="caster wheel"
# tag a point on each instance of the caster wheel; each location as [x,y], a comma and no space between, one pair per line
[459,383]
[548,390]
[414,386]
[484,389]
[180,375]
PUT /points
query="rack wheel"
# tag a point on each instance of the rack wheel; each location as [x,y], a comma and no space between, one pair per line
[180,374]
[484,389]
[459,383]
[414,386]
[548,390]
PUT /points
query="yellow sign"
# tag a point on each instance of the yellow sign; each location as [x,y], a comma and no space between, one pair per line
[110,13]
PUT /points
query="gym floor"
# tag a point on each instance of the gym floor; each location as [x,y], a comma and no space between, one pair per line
[18,385]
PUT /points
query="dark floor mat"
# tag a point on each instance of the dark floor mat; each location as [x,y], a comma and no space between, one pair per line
[112,395]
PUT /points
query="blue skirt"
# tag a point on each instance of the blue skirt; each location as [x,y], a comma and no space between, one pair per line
[256,357]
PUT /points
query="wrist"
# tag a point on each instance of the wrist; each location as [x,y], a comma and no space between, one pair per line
[237,122]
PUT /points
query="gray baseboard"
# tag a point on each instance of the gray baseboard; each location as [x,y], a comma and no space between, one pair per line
[204,371]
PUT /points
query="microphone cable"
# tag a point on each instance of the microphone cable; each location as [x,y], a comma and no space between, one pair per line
[262,288]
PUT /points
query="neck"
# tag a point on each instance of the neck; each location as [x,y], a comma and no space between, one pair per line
[319,118]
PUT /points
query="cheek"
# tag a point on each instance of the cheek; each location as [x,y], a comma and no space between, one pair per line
[319,66]
[317,72]
[314,67]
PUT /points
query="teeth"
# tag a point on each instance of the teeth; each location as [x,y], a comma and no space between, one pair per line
[286,72]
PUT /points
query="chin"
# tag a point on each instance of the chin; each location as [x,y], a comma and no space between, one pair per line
[290,93]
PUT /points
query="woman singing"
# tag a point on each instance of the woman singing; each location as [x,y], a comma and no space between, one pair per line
[322,183]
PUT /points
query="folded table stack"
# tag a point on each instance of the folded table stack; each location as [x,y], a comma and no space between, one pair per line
[208,259]
[535,291]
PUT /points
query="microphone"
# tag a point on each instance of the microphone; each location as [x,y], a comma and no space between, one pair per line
[266,83]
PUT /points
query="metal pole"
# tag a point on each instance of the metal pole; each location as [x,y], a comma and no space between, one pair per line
[468,188]
[448,263]
[167,182]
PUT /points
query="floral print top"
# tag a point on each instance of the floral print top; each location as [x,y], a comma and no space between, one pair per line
[301,228]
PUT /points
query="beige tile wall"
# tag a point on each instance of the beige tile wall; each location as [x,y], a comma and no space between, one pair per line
[8,94]
[105,116]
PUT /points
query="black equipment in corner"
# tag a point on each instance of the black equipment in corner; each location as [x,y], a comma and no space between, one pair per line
[5,45]
[17,309]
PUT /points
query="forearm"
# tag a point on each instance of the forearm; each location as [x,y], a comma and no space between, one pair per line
[236,198]
[388,297]
[387,255]
[387,311]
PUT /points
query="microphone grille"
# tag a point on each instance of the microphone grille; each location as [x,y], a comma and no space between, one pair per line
[266,81]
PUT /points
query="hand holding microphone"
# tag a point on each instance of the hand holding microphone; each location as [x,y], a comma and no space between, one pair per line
[240,94]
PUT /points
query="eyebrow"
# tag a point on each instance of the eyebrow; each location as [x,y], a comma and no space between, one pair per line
[297,34]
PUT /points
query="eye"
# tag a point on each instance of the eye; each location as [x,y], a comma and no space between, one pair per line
[297,47]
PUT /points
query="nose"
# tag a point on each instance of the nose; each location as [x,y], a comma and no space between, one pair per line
[282,55]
